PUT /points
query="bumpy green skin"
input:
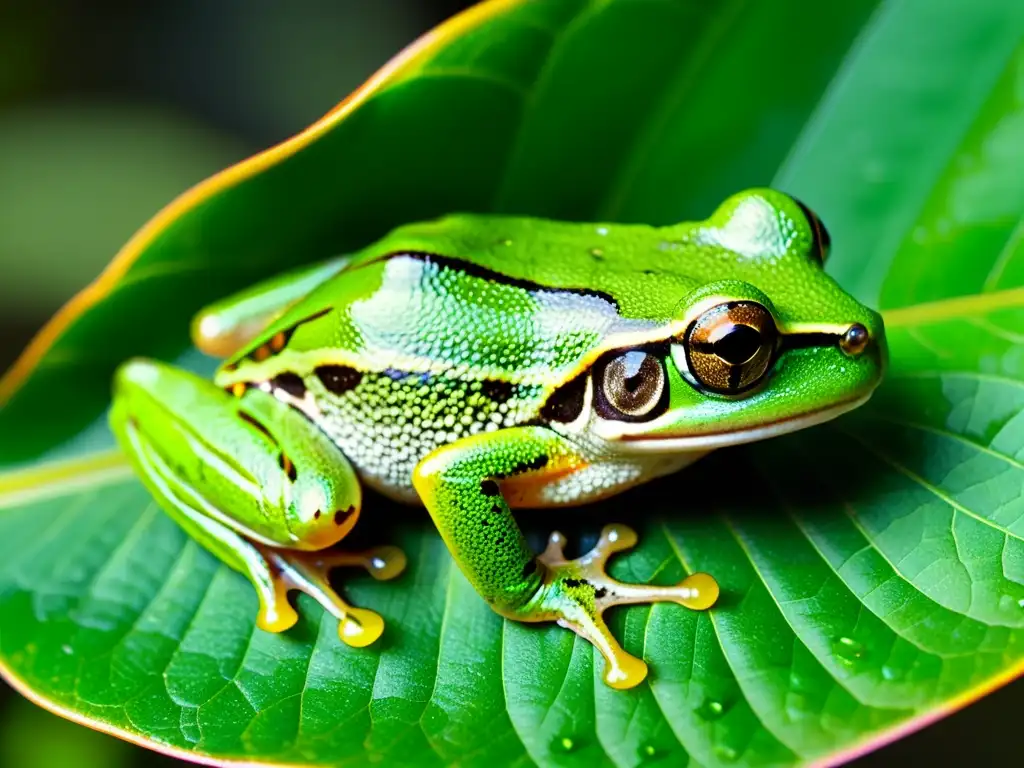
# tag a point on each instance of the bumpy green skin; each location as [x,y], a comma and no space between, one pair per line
[456,362]
[464,476]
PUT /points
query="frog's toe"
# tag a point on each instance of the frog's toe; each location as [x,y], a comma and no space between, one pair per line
[276,613]
[308,572]
[360,627]
[578,592]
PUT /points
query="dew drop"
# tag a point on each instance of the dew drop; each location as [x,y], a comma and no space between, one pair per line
[891,673]
[725,753]
[710,709]
[67,649]
[648,753]
[1021,602]
[564,744]
[798,706]
[848,650]
[506,242]
[602,230]
[597,253]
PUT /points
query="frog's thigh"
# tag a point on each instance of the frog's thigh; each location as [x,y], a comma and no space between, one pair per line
[276,614]
[457,484]
[218,464]
[273,572]
[221,329]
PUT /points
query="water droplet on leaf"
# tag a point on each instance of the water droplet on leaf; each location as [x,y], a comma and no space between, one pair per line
[647,752]
[564,744]
[725,753]
[891,673]
[711,709]
[848,650]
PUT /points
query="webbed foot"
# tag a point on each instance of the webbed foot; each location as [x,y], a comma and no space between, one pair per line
[308,572]
[576,593]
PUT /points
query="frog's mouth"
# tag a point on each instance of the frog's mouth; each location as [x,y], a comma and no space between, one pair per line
[709,441]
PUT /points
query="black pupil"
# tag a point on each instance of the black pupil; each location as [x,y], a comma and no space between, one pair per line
[739,344]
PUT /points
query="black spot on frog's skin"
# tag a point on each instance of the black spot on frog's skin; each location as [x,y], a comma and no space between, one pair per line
[258,425]
[573,583]
[316,515]
[566,403]
[338,379]
[489,488]
[343,514]
[497,391]
[291,383]
[496,510]
[600,592]
[533,465]
[287,466]
[530,568]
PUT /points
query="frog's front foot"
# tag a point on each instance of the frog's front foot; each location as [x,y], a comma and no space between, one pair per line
[576,593]
[308,572]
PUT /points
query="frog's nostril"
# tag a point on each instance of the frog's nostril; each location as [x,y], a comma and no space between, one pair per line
[855,340]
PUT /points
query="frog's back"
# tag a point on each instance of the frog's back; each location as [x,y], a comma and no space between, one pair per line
[426,337]
[456,298]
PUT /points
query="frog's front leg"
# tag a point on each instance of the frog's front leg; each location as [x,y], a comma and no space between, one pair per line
[223,328]
[461,486]
[255,483]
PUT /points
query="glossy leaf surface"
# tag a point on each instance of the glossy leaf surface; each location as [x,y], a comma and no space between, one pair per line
[872,569]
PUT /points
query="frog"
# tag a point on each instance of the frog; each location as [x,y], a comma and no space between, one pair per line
[483,365]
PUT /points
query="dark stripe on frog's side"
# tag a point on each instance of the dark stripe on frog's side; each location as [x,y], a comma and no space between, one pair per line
[565,404]
[484,273]
[338,379]
[365,339]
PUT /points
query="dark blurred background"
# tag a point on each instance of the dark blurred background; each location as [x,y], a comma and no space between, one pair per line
[108,110]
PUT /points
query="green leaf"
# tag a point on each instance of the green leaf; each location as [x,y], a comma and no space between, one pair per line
[872,569]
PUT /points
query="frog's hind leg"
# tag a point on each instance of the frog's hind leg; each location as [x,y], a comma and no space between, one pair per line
[460,486]
[186,487]
[223,328]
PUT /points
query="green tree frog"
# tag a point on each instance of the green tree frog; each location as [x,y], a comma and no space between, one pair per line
[479,364]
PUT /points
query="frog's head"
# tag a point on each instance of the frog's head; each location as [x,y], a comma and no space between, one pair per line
[766,344]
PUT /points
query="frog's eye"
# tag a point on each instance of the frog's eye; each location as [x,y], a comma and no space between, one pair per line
[729,347]
[822,243]
[631,386]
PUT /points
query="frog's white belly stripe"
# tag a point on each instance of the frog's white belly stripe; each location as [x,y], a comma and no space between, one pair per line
[605,478]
